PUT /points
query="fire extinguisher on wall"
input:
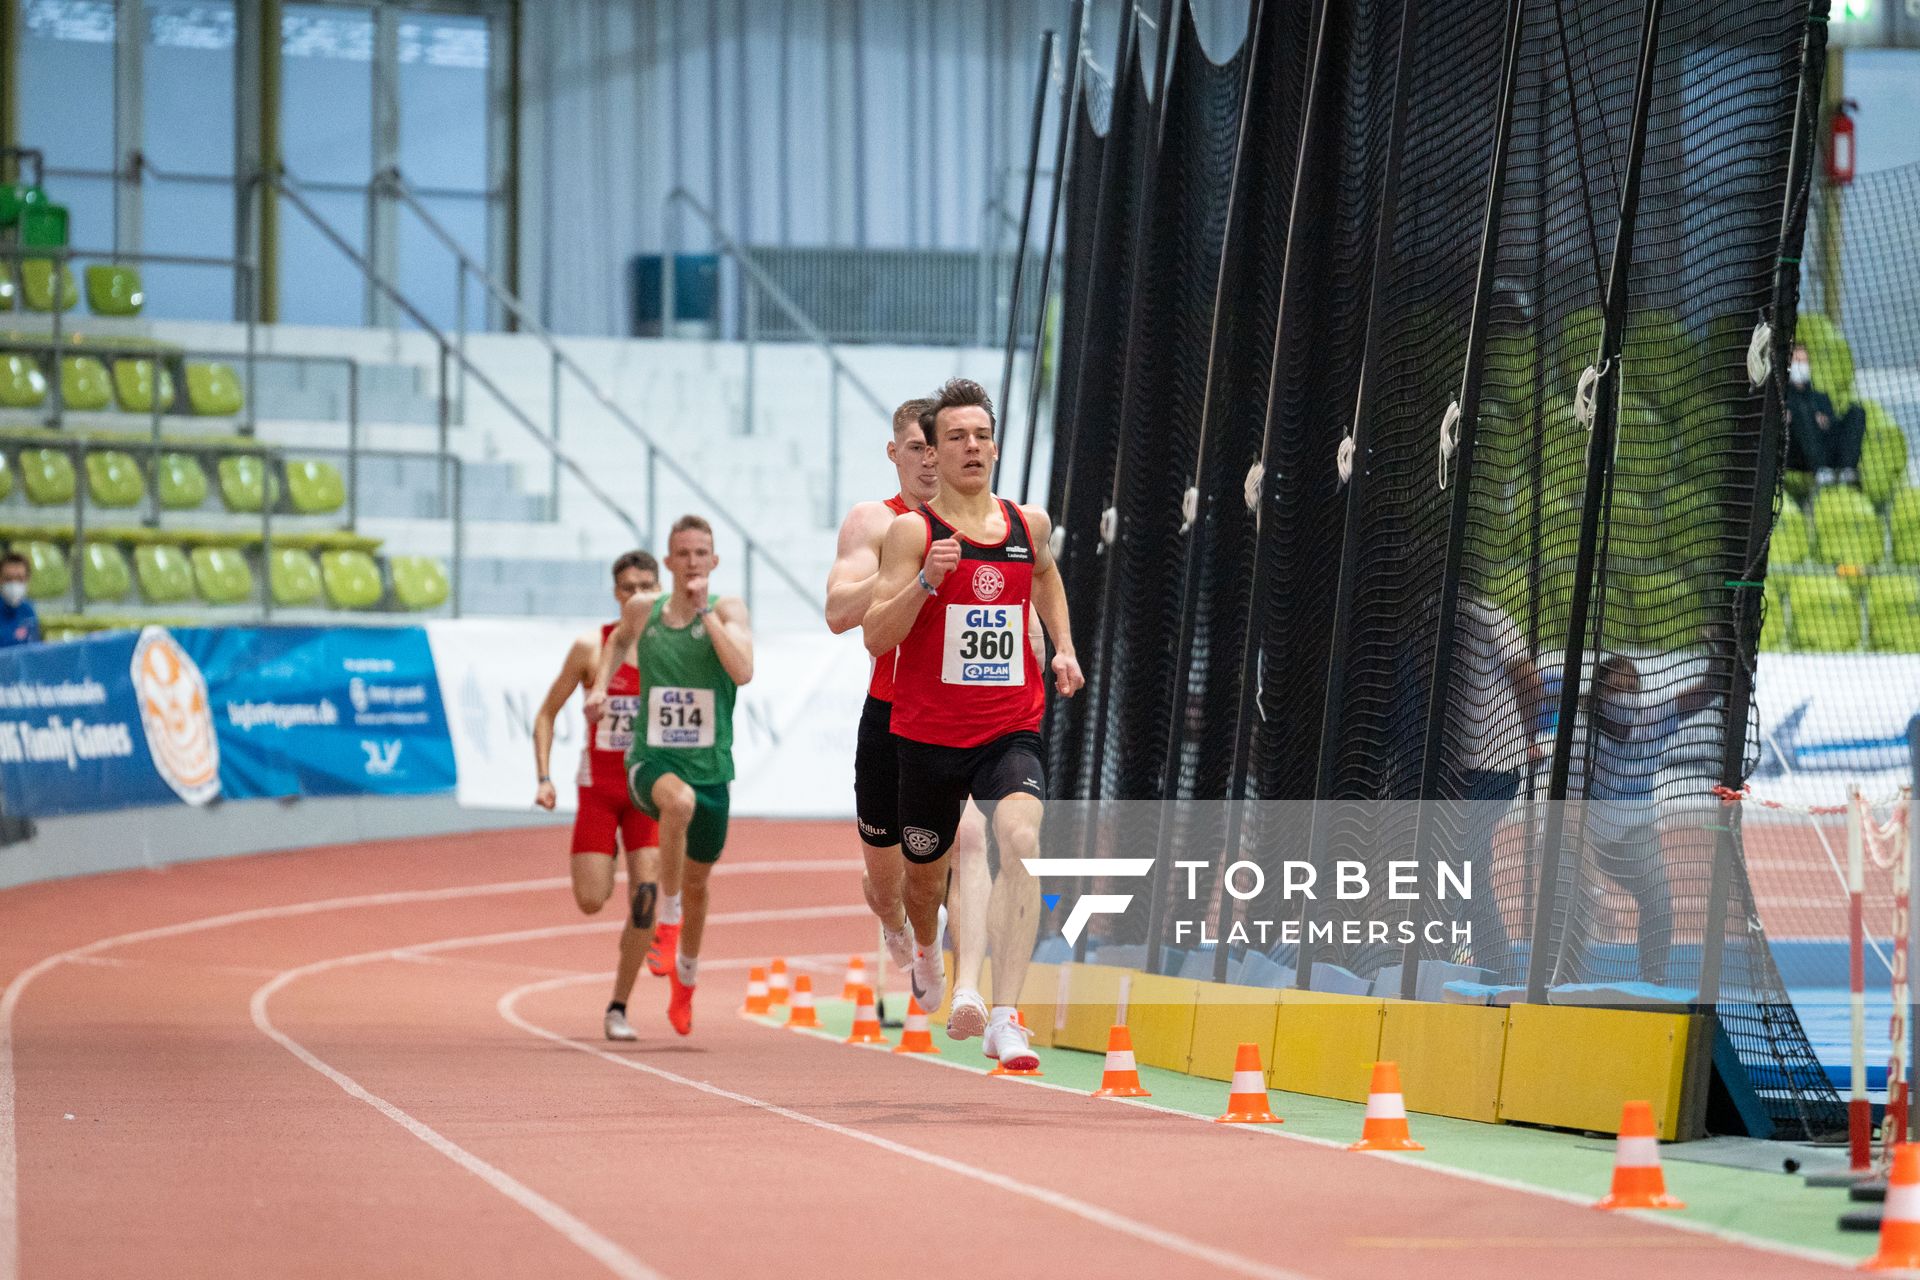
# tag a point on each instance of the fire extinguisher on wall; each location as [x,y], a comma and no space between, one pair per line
[1840,150]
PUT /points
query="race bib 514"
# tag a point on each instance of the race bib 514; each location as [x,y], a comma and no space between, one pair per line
[679,717]
[983,645]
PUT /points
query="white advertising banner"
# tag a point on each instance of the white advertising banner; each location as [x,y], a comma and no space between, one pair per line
[793,726]
[1830,719]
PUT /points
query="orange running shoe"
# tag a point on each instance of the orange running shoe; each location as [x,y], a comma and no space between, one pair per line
[680,1007]
[666,944]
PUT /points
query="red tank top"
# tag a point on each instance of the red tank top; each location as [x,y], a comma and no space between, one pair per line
[881,686]
[965,674]
[603,761]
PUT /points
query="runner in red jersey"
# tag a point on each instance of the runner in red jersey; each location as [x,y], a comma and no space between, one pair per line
[957,581]
[876,784]
[607,819]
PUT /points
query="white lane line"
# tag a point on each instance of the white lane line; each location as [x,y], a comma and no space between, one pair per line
[10,999]
[1168,1240]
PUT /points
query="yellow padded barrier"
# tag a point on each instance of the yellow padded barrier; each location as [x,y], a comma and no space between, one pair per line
[1227,1017]
[1037,996]
[1160,1018]
[1093,993]
[1449,1055]
[1573,1068]
[1325,1044]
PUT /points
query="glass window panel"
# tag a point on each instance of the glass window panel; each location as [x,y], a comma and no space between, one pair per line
[187,95]
[66,83]
[318,285]
[195,218]
[89,204]
[427,266]
[326,92]
[443,101]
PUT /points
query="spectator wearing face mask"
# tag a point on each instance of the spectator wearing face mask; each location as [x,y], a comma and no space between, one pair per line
[1819,439]
[19,624]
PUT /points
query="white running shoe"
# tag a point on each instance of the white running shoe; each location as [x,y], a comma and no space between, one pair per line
[1008,1043]
[928,977]
[968,1017]
[899,946]
[940,929]
[617,1028]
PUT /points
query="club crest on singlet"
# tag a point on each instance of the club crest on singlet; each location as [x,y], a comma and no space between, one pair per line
[988,583]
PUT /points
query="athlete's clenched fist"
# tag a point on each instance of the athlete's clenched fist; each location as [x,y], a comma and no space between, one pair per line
[942,556]
[1066,674]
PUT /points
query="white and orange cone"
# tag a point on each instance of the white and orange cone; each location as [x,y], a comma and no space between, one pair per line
[1637,1180]
[1386,1124]
[918,1037]
[1121,1079]
[756,992]
[1900,1216]
[801,1014]
[856,978]
[777,982]
[866,1020]
[1247,1096]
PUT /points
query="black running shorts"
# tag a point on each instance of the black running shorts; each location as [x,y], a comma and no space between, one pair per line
[876,777]
[936,781]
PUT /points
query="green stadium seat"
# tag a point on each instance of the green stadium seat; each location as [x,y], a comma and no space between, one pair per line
[114,479]
[1773,616]
[419,582]
[243,483]
[114,290]
[1883,455]
[36,285]
[44,226]
[180,481]
[1826,614]
[222,574]
[133,383]
[1893,613]
[166,575]
[22,384]
[14,199]
[1791,544]
[213,390]
[352,579]
[47,476]
[103,573]
[293,577]
[47,576]
[1829,357]
[9,291]
[1903,522]
[1846,529]
[84,384]
[315,488]
[6,478]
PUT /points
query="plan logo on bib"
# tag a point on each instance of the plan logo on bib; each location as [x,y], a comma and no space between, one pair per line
[177,716]
[988,583]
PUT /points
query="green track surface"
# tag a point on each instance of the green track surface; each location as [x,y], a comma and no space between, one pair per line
[1765,1207]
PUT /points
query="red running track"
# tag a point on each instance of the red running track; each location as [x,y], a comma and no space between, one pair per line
[385,1060]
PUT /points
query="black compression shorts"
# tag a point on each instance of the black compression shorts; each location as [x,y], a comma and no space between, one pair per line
[936,781]
[876,777]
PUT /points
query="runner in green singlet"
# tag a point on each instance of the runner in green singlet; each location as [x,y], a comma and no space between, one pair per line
[694,651]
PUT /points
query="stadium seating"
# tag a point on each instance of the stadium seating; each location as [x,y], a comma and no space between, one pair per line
[179,481]
[37,285]
[47,475]
[22,384]
[1791,544]
[213,390]
[1883,456]
[84,384]
[222,575]
[113,479]
[243,483]
[1846,529]
[352,579]
[47,569]
[133,384]
[419,582]
[315,488]
[103,573]
[166,575]
[1825,616]
[293,578]
[1893,614]
[9,290]
[114,290]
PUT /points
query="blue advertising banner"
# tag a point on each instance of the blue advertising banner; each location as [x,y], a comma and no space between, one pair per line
[321,711]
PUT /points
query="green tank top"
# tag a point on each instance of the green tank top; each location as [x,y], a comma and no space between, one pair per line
[686,701]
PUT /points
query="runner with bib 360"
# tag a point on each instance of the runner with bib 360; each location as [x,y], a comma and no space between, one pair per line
[957,579]
[694,650]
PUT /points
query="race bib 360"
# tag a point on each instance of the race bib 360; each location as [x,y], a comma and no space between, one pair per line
[983,645]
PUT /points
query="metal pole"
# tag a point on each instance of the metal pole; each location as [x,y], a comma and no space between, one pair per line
[1069,106]
[56,407]
[553,421]
[79,530]
[1600,445]
[1026,220]
[266,533]
[445,412]
[460,332]
[751,328]
[353,444]
[250,427]
[1469,402]
[459,530]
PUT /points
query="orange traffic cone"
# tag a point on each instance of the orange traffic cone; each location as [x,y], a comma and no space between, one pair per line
[1121,1079]
[866,1022]
[1637,1180]
[917,1038]
[802,1014]
[1900,1216]
[756,991]
[777,982]
[856,978]
[1386,1124]
[1247,1096]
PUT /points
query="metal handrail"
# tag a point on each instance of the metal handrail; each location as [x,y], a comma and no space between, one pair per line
[396,185]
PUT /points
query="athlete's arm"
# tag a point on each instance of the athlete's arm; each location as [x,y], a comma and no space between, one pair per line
[577,669]
[1050,603]
[856,565]
[897,594]
[731,634]
[619,649]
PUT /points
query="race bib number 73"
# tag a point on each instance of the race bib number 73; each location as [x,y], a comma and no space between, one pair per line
[679,717]
[983,645]
[614,732]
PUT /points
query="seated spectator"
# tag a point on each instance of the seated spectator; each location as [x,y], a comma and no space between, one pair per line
[1820,439]
[19,624]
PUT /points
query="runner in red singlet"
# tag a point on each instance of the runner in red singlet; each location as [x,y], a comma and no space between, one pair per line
[957,581]
[607,819]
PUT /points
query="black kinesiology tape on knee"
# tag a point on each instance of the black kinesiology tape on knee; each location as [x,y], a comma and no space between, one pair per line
[644,899]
